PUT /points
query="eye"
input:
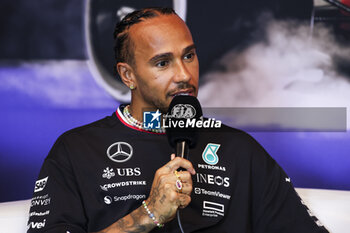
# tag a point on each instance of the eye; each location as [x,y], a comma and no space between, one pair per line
[162,64]
[189,56]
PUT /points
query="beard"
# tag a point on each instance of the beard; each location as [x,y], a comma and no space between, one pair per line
[161,105]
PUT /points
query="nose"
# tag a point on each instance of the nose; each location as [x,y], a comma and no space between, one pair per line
[182,73]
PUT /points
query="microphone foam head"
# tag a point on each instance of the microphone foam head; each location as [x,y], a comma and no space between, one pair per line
[182,110]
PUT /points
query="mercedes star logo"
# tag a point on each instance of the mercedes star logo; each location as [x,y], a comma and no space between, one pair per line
[119,152]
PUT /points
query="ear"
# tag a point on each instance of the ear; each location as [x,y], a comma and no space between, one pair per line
[126,73]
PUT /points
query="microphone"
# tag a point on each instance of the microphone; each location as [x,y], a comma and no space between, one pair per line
[182,135]
[183,112]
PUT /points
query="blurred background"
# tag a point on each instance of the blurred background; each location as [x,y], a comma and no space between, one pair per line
[56,73]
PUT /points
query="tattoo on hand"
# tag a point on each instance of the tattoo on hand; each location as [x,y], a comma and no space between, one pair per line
[130,224]
[162,199]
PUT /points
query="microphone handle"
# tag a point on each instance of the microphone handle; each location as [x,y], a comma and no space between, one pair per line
[182,149]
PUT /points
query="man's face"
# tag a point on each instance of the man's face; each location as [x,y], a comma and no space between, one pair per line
[166,62]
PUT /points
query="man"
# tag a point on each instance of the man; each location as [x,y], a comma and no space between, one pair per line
[116,176]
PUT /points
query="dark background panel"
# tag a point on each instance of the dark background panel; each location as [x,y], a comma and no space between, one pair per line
[42,29]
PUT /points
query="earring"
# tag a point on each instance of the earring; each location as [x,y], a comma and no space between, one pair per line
[131,87]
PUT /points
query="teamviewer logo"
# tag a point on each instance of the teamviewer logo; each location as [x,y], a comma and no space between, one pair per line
[151,120]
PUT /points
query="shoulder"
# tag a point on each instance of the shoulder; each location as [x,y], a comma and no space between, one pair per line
[104,123]
[235,144]
[82,134]
[232,135]
[97,127]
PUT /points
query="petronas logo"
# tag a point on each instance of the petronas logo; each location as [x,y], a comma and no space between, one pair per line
[209,154]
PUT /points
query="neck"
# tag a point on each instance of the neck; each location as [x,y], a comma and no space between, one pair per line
[136,111]
[139,124]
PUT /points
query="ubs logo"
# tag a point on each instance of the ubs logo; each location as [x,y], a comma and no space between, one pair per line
[108,173]
[120,152]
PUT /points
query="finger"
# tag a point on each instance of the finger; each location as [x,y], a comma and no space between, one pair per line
[172,156]
[184,176]
[183,201]
[186,189]
[184,184]
[180,162]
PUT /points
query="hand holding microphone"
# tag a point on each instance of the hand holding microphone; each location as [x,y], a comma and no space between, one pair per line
[166,196]
[172,184]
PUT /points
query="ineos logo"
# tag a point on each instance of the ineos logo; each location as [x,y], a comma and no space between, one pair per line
[120,152]
[183,111]
[211,179]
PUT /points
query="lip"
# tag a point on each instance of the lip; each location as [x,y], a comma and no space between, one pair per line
[185,91]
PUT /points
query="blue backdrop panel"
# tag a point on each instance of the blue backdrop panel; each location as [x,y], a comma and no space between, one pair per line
[26,138]
[312,160]
[38,102]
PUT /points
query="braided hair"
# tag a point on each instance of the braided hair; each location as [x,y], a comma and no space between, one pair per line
[123,46]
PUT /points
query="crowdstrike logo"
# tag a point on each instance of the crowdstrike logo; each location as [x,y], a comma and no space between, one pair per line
[106,187]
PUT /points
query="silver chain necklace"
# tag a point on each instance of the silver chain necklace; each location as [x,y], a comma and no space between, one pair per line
[138,124]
